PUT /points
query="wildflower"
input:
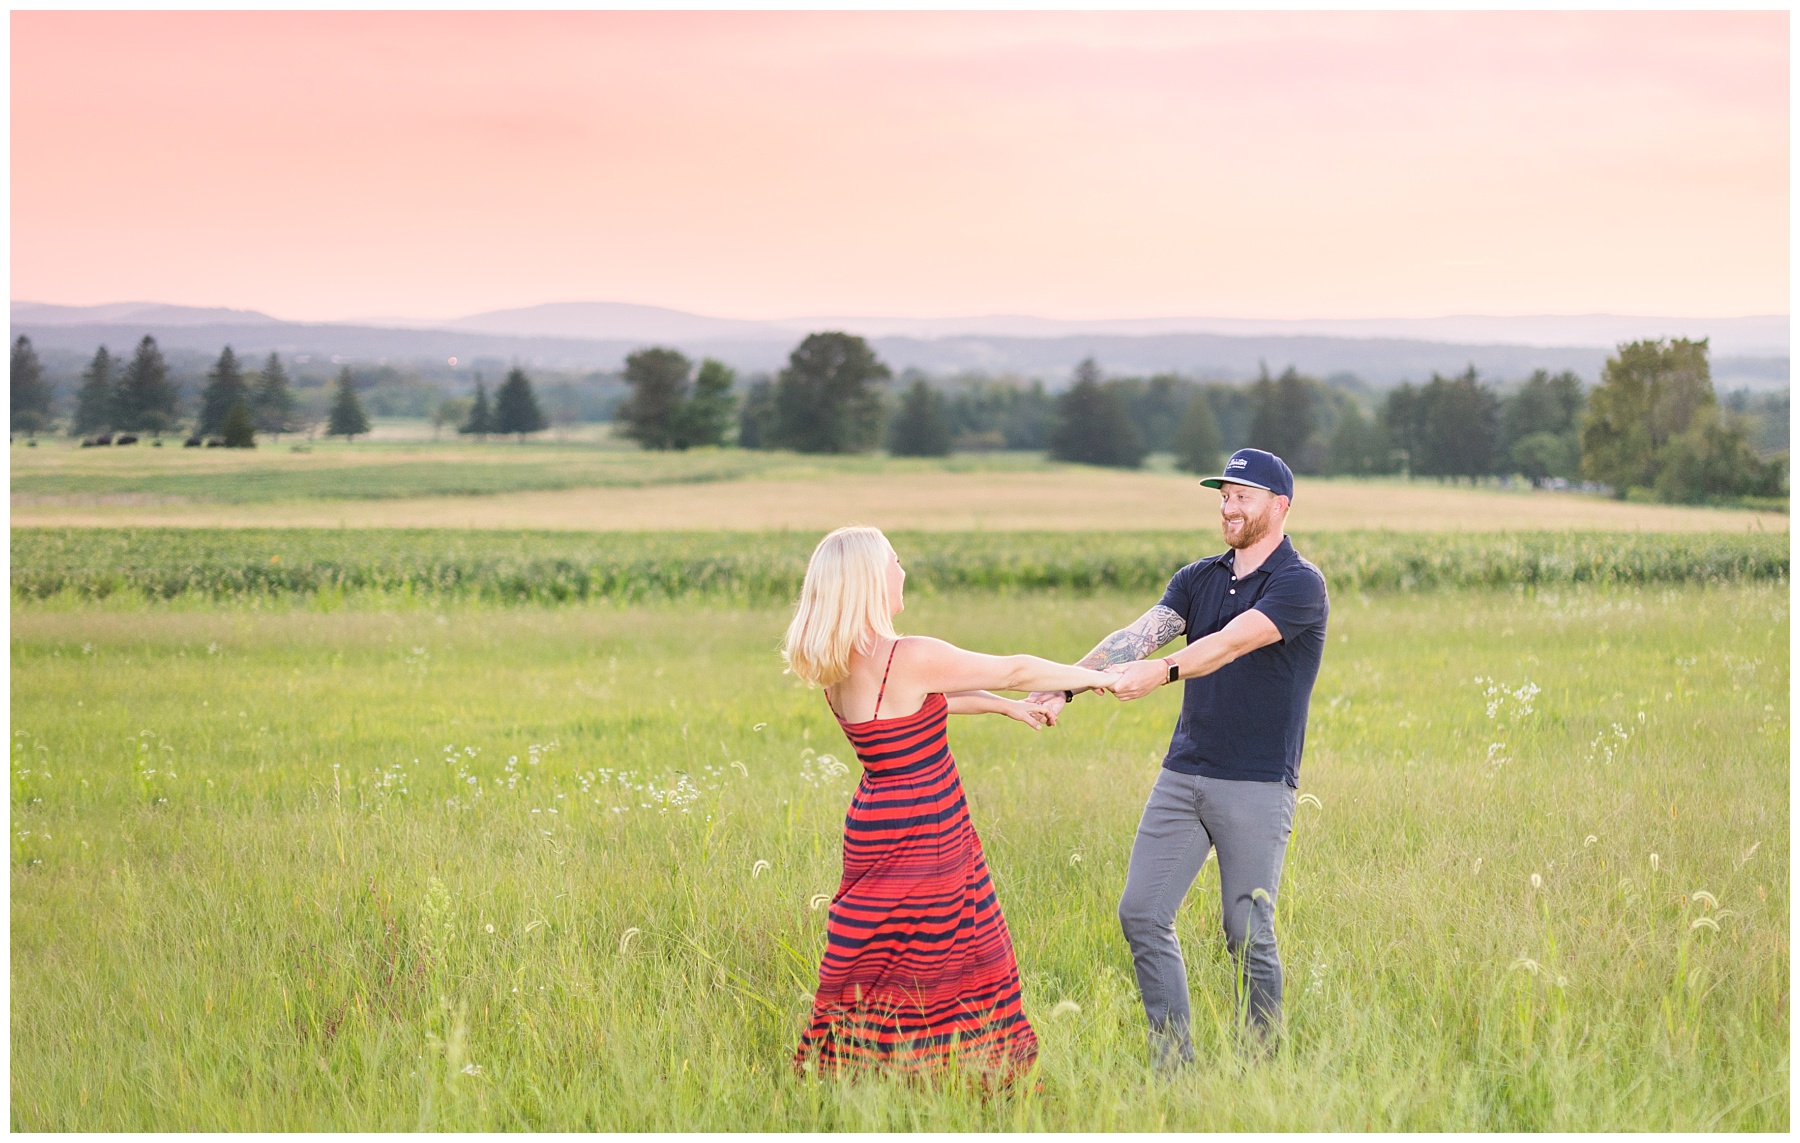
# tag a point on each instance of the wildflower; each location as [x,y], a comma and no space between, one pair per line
[1704,923]
[759,726]
[1074,859]
[471,1069]
[742,769]
[490,927]
[1536,881]
[817,900]
[758,869]
[1589,840]
[1702,895]
[625,941]
[1065,1008]
[1313,798]
[1655,863]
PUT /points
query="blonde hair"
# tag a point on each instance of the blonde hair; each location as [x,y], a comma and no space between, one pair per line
[843,605]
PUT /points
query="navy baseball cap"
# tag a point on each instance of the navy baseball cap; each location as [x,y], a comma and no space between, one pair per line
[1258,469]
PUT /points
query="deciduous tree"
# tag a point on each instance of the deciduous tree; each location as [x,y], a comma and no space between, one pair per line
[659,388]
[756,414]
[826,399]
[702,418]
[239,429]
[1654,423]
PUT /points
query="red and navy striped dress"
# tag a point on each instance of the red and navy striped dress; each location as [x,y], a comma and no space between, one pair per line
[919,970]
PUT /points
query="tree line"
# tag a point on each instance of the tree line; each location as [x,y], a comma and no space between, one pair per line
[235,404]
[1652,427]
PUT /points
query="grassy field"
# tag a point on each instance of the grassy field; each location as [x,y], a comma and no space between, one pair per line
[451,866]
[602,487]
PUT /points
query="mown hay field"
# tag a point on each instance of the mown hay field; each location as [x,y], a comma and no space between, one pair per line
[546,485]
[420,862]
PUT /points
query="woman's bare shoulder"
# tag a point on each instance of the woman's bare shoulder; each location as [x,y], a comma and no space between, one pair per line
[924,650]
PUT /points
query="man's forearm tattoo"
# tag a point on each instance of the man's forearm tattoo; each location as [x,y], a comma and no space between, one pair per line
[1154,628]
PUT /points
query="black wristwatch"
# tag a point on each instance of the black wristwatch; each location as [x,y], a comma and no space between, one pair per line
[1174,671]
[1068,696]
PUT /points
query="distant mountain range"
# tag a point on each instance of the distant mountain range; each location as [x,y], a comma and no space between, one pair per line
[1748,351]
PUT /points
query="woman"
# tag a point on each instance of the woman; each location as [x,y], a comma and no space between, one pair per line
[919,967]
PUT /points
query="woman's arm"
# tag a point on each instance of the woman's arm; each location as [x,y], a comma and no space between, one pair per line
[1031,714]
[975,702]
[934,665]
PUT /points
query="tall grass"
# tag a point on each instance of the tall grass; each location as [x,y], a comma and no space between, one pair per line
[376,869]
[555,567]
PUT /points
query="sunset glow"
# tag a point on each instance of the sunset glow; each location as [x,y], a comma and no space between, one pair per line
[341,165]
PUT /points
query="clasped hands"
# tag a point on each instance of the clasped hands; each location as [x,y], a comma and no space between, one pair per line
[1128,681]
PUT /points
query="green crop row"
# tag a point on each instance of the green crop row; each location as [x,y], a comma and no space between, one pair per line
[554,567]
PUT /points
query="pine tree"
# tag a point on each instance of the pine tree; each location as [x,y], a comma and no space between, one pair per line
[1197,439]
[921,427]
[1287,415]
[239,430]
[1462,425]
[224,388]
[146,400]
[703,417]
[347,419]
[515,406]
[271,401]
[1093,423]
[481,417]
[95,401]
[31,395]
[1358,445]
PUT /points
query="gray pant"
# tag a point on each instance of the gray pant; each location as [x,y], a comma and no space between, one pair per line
[1187,816]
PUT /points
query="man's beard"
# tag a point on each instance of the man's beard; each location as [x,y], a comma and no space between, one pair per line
[1255,528]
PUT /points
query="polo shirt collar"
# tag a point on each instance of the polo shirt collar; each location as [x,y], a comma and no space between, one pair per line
[1282,554]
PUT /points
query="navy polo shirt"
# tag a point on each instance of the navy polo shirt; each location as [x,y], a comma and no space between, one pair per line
[1247,720]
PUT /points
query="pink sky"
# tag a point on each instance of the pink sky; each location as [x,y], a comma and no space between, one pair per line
[333,165]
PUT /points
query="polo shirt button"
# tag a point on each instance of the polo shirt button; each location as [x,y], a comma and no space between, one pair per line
[1234,591]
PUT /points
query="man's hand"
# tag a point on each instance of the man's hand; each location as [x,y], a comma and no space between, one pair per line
[1140,678]
[1050,702]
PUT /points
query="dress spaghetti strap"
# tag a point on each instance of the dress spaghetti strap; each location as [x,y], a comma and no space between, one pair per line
[884,677]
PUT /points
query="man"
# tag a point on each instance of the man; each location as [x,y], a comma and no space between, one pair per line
[1255,622]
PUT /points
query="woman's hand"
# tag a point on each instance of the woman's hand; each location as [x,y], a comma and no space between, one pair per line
[1105,680]
[1035,715]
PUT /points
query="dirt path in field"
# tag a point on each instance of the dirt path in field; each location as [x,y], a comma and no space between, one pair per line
[1077,500]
